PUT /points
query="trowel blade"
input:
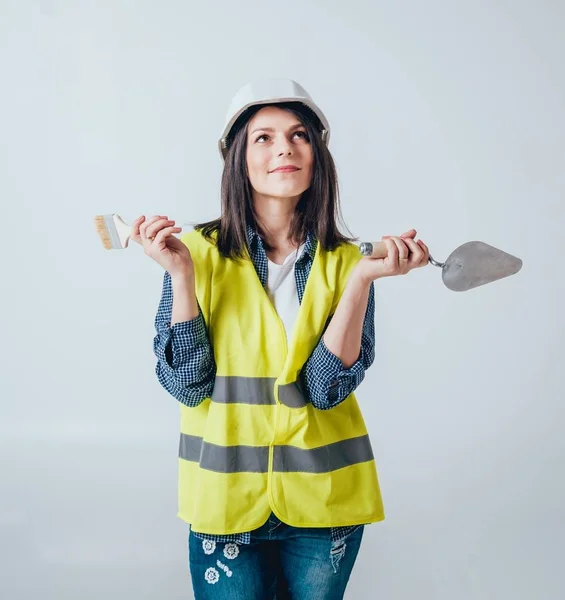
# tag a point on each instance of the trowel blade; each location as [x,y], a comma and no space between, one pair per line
[476,263]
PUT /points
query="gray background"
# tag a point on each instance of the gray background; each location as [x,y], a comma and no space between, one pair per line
[447,117]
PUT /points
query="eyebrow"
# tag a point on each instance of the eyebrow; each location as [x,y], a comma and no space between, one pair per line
[295,126]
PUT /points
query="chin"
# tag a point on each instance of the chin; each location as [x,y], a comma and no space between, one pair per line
[284,191]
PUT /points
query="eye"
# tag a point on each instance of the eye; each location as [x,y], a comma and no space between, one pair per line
[300,133]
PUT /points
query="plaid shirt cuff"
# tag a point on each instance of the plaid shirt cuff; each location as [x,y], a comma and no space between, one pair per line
[184,338]
[328,382]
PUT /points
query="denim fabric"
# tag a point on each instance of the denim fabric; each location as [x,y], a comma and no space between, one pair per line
[280,562]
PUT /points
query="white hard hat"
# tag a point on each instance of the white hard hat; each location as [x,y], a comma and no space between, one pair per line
[269,91]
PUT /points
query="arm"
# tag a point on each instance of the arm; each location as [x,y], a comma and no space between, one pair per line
[349,340]
[343,336]
[185,361]
[337,365]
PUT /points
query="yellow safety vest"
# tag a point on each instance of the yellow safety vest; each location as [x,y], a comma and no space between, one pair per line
[257,445]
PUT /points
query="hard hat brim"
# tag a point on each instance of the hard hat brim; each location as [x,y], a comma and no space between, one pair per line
[222,142]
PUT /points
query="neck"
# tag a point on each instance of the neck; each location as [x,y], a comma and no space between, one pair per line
[274,216]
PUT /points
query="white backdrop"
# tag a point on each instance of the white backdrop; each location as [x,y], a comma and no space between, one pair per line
[446,116]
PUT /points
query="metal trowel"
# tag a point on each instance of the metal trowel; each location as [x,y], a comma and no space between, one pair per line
[469,266]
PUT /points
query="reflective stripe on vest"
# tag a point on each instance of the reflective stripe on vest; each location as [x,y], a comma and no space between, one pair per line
[256,391]
[257,444]
[287,459]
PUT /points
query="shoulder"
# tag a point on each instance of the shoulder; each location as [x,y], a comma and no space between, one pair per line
[196,241]
[345,253]
[202,250]
[349,249]
[338,265]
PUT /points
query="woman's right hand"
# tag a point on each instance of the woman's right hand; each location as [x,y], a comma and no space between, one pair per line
[156,237]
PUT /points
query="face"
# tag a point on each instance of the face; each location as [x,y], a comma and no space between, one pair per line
[279,154]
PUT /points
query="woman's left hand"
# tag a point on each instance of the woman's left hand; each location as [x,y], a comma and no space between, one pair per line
[404,255]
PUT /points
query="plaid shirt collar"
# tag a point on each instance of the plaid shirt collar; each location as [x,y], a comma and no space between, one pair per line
[254,243]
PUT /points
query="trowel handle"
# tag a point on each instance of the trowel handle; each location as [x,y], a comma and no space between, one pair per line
[373,249]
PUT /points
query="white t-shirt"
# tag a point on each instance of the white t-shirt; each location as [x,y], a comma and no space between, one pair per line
[281,286]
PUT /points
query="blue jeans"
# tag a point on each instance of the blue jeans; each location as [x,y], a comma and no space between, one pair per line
[282,562]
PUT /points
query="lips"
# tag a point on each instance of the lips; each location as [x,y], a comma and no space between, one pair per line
[286,169]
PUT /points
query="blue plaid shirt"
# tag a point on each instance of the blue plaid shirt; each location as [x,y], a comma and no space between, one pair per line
[187,370]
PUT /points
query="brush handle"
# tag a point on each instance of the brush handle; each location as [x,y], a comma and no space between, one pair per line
[373,249]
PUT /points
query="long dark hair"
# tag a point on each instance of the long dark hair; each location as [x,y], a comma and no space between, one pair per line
[317,211]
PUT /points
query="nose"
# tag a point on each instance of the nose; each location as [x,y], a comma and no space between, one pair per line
[284,147]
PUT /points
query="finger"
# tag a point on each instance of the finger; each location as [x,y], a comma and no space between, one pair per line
[164,233]
[153,229]
[152,235]
[423,246]
[391,262]
[143,227]
[416,253]
[134,235]
[392,251]
[409,234]
[403,251]
[141,218]
[426,257]
[403,255]
[135,226]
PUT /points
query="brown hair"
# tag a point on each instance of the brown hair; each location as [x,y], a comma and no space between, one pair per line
[317,211]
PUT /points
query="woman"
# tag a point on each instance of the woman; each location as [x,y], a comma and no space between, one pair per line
[264,330]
